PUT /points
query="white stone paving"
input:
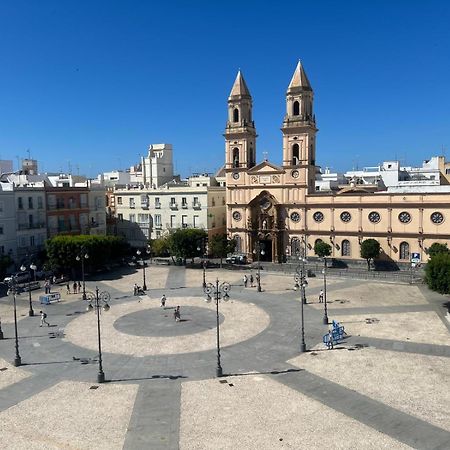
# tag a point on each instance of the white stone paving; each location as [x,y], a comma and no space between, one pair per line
[258,413]
[415,384]
[11,375]
[69,415]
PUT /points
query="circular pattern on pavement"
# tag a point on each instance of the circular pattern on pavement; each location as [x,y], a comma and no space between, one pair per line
[241,321]
[151,322]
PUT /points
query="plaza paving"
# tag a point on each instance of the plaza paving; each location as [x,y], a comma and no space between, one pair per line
[385,386]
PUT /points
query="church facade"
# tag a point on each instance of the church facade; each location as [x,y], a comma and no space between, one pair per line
[277,210]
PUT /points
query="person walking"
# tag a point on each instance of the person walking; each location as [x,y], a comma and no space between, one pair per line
[321,296]
[163,301]
[245,281]
[43,318]
[330,343]
[74,287]
[251,280]
[68,287]
[177,314]
[79,287]
[135,289]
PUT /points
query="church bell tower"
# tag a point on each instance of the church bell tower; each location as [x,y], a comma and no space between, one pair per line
[240,134]
[299,129]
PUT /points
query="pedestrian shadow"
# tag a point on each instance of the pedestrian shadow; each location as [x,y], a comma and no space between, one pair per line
[152,377]
[45,363]
[269,372]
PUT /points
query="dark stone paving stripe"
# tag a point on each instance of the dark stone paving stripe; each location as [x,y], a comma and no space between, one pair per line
[176,278]
[403,346]
[396,424]
[379,309]
[155,421]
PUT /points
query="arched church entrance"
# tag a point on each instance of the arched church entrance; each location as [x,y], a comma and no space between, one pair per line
[266,228]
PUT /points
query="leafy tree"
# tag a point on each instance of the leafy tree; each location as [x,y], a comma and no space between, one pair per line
[220,246]
[437,248]
[183,243]
[322,249]
[63,250]
[370,249]
[437,272]
[160,247]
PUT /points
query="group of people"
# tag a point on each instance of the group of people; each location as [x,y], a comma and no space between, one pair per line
[137,290]
[246,279]
[76,287]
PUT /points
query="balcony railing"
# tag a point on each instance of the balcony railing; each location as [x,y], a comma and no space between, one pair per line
[173,205]
[30,226]
[157,205]
[184,205]
[196,205]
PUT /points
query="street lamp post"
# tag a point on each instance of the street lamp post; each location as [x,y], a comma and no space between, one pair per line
[23,269]
[219,292]
[101,301]
[81,257]
[259,250]
[301,282]
[138,252]
[325,312]
[201,248]
[13,289]
[1,331]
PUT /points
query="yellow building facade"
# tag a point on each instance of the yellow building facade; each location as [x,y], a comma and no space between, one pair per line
[277,208]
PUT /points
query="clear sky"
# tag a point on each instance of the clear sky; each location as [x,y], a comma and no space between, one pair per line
[88,85]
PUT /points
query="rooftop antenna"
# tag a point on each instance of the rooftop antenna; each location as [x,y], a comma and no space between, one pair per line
[18,162]
[29,153]
[265,154]
[69,166]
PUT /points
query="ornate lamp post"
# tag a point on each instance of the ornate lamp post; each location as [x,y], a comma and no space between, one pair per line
[259,250]
[12,289]
[1,331]
[81,257]
[100,301]
[218,292]
[23,269]
[138,253]
[300,282]
[325,312]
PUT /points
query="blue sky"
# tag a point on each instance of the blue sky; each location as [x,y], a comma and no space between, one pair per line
[87,85]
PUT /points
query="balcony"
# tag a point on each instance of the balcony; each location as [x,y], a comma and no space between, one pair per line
[184,206]
[196,205]
[173,205]
[30,226]
[157,205]
[158,226]
[144,205]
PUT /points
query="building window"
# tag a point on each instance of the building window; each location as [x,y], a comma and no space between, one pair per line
[119,200]
[120,217]
[296,109]
[184,202]
[157,220]
[132,204]
[295,247]
[235,157]
[132,217]
[1,229]
[40,203]
[238,247]
[32,241]
[404,251]
[295,217]
[345,250]
[346,216]
[172,221]
[30,202]
[318,216]
[184,222]
[157,203]
[295,154]
[196,222]
[404,217]
[437,218]
[20,203]
[374,217]
[235,115]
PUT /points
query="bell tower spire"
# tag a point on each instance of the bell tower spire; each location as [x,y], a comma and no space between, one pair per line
[240,134]
[299,128]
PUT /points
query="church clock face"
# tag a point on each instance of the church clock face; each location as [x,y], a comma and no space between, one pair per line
[374,217]
[437,218]
[295,174]
[237,216]
[236,175]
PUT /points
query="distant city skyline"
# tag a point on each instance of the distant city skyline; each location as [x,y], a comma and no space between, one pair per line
[86,87]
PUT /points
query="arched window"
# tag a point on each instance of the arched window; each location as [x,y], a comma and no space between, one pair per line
[404,250]
[238,240]
[235,157]
[295,154]
[296,109]
[295,247]
[235,115]
[345,248]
